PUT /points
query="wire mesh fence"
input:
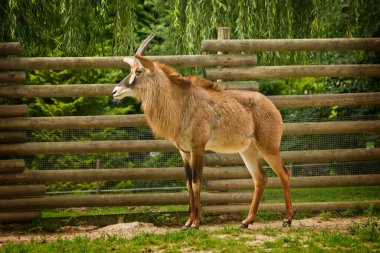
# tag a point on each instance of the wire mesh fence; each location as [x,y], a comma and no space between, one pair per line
[167,159]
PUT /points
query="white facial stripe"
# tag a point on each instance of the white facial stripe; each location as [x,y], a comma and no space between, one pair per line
[132,78]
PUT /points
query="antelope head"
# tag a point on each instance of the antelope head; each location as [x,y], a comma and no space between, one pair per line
[141,69]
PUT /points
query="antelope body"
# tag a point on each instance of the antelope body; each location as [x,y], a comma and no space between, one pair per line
[196,115]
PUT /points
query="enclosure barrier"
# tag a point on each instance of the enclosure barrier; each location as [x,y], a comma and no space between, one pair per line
[15,183]
[136,120]
[295,182]
[6,75]
[306,156]
[153,199]
[12,76]
[314,206]
[88,90]
[365,70]
[281,45]
[15,167]
[9,48]
[183,61]
[12,136]
[218,178]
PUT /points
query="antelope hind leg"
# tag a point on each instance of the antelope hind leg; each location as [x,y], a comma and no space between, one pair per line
[282,172]
[250,158]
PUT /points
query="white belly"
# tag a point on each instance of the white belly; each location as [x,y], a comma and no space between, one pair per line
[228,146]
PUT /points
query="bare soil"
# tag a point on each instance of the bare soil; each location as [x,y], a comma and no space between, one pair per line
[129,230]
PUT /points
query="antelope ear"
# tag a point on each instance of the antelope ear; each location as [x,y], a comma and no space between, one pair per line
[130,60]
[177,79]
[145,62]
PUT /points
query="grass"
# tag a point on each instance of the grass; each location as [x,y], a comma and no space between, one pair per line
[359,238]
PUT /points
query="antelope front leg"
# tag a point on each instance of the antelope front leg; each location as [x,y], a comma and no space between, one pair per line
[189,178]
[196,164]
[189,187]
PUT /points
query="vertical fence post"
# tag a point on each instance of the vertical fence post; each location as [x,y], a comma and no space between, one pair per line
[97,183]
[224,33]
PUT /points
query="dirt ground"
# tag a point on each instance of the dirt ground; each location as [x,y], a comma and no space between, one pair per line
[130,229]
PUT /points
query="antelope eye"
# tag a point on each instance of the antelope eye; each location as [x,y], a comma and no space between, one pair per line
[138,71]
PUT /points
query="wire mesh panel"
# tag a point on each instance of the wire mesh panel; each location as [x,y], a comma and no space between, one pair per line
[167,159]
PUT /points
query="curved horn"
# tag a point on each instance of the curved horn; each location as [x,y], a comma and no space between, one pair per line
[144,45]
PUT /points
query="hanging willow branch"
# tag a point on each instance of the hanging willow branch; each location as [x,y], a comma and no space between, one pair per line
[273,19]
[106,27]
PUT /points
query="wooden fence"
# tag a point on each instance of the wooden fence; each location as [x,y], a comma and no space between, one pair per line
[225,183]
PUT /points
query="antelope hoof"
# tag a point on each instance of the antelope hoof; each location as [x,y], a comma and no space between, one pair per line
[185,228]
[189,222]
[287,223]
[194,227]
[245,225]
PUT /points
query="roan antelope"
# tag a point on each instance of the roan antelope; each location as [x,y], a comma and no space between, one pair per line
[196,115]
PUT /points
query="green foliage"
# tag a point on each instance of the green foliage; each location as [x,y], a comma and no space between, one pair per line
[114,27]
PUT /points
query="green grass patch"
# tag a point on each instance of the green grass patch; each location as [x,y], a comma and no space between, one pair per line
[227,239]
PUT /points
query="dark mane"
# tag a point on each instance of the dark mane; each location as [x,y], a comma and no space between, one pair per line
[171,73]
[168,70]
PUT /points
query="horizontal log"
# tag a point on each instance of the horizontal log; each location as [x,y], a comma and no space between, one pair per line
[72,122]
[13,111]
[12,137]
[12,76]
[7,48]
[286,101]
[279,45]
[136,120]
[39,63]
[334,127]
[88,90]
[12,166]
[19,216]
[151,199]
[56,91]
[74,147]
[238,85]
[313,206]
[91,175]
[344,99]
[296,182]
[166,199]
[306,156]
[366,70]
[19,191]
